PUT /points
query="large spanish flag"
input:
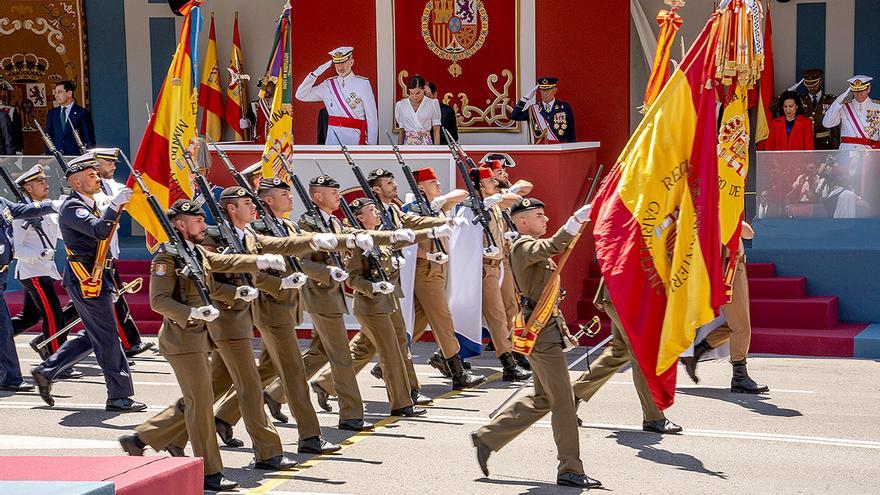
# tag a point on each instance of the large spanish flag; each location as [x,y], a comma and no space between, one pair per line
[279,137]
[656,221]
[765,116]
[733,166]
[210,94]
[236,92]
[172,126]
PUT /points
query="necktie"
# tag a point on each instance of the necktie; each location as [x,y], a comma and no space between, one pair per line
[63,119]
[815,101]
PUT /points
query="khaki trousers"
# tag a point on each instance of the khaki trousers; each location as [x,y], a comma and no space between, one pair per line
[380,330]
[314,358]
[552,395]
[738,328]
[193,374]
[334,341]
[493,309]
[431,307]
[280,358]
[613,359]
[363,349]
[508,293]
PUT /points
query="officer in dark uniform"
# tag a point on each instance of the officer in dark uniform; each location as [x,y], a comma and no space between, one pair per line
[550,120]
[815,102]
[10,371]
[86,232]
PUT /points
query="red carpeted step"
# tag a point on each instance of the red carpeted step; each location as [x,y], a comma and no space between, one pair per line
[133,267]
[777,287]
[591,285]
[837,341]
[809,312]
[761,270]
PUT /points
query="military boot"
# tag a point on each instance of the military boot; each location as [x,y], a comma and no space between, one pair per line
[690,362]
[439,362]
[462,379]
[742,382]
[511,371]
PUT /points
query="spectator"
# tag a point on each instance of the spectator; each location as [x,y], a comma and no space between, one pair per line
[448,119]
[417,117]
[68,115]
[790,131]
[14,115]
[6,146]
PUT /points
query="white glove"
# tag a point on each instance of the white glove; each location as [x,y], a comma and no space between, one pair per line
[795,87]
[491,251]
[531,94]
[438,257]
[270,262]
[383,288]
[122,197]
[47,254]
[322,68]
[438,203]
[492,200]
[204,313]
[244,123]
[516,188]
[324,241]
[511,235]
[56,204]
[293,281]
[440,232]
[460,221]
[398,262]
[403,235]
[338,274]
[364,241]
[583,213]
[573,225]
[246,293]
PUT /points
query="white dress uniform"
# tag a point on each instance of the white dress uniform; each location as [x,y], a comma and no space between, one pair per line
[859,122]
[349,100]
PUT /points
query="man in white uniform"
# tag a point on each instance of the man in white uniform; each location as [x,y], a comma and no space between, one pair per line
[348,98]
[858,116]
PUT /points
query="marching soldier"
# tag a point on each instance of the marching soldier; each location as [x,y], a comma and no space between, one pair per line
[347,97]
[533,268]
[617,355]
[429,290]
[35,251]
[126,326]
[376,299]
[184,342]
[10,370]
[87,233]
[858,116]
[737,330]
[551,121]
[497,318]
[277,313]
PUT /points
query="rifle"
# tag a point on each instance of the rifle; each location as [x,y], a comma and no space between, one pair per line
[373,255]
[481,216]
[311,210]
[52,149]
[19,197]
[272,222]
[191,267]
[422,202]
[79,143]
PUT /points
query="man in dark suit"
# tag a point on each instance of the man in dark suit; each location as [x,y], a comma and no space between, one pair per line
[551,121]
[68,115]
[6,146]
[448,119]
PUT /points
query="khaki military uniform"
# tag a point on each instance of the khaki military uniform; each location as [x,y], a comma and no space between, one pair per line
[185,344]
[533,268]
[494,311]
[738,327]
[617,355]
[276,313]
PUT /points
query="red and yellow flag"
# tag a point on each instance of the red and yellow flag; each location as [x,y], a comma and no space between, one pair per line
[733,165]
[656,221]
[210,94]
[279,137]
[765,116]
[236,92]
[669,22]
[172,127]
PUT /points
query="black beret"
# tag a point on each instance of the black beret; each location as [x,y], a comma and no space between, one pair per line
[526,204]
[379,172]
[185,207]
[324,181]
[273,183]
[234,192]
[359,203]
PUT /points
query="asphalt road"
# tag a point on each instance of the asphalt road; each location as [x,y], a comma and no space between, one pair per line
[817,431]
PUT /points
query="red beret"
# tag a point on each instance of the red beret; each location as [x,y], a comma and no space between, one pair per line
[480,173]
[425,174]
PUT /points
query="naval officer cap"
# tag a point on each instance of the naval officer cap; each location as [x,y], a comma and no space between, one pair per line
[252,169]
[547,82]
[80,163]
[360,203]
[111,154]
[234,192]
[324,181]
[272,183]
[859,83]
[185,207]
[33,173]
[525,204]
[341,55]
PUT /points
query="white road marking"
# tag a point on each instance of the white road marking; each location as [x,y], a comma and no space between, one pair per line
[772,390]
[25,442]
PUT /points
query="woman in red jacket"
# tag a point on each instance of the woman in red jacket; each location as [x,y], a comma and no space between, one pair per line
[791,131]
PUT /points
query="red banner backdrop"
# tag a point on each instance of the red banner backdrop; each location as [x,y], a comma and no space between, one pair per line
[469,49]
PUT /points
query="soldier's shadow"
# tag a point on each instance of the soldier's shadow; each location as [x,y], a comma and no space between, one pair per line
[91,417]
[534,487]
[645,444]
[758,403]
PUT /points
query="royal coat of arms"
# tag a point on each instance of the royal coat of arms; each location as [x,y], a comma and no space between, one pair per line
[455,29]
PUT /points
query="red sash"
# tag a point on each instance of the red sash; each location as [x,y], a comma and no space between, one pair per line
[359,124]
[873,143]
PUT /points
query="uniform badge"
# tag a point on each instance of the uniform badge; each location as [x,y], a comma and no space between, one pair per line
[320,180]
[160,269]
[82,213]
[7,214]
[276,181]
[526,202]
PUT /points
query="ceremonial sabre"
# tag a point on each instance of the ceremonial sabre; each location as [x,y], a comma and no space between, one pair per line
[589,331]
[129,288]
